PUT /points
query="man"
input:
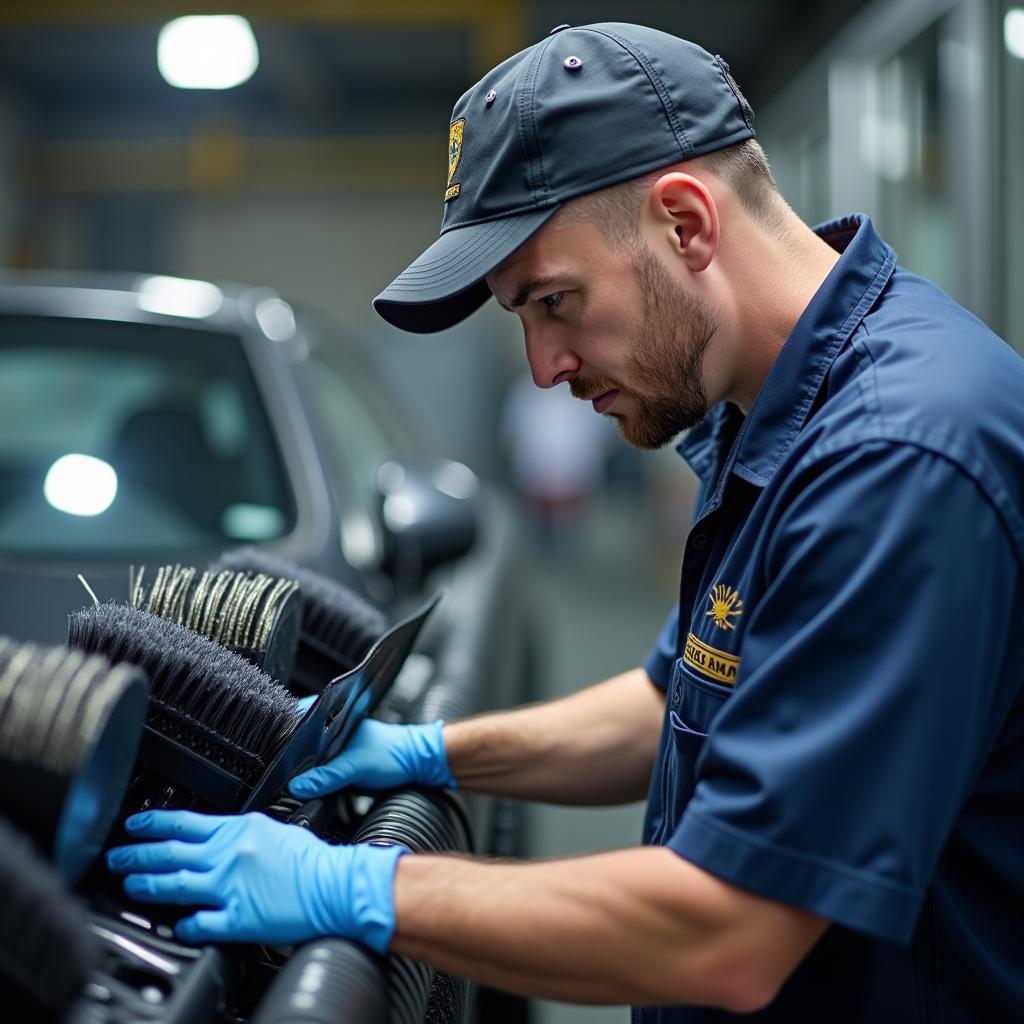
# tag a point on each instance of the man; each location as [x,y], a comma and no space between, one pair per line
[834,826]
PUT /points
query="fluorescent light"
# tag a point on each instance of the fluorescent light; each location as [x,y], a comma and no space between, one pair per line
[1013,31]
[80,485]
[178,296]
[207,52]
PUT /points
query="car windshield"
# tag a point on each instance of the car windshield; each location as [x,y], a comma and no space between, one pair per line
[121,438]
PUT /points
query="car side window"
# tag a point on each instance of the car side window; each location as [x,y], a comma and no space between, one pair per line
[357,439]
[120,437]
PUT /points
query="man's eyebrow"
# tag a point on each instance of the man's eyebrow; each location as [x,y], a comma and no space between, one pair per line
[527,288]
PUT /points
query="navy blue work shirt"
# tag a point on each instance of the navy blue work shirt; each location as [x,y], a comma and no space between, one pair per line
[844,725]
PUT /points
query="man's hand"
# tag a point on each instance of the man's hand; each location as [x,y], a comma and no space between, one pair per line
[381,756]
[266,881]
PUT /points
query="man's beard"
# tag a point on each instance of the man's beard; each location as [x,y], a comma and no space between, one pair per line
[666,360]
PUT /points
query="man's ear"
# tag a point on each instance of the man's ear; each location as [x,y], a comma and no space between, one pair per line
[685,216]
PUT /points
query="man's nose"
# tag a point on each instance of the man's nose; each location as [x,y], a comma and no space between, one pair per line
[551,361]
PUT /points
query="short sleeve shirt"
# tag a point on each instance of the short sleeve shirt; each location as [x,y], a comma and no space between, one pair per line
[844,727]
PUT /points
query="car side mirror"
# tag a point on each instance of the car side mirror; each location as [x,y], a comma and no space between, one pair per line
[429,515]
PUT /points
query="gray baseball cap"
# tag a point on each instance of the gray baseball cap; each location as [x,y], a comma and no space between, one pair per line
[582,109]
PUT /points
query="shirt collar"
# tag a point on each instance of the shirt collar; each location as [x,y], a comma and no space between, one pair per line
[787,395]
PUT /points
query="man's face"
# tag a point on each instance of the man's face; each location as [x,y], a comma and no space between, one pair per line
[614,324]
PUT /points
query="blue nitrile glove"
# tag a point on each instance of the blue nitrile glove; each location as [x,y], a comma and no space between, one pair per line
[267,881]
[381,756]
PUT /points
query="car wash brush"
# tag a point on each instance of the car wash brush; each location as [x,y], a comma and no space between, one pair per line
[215,721]
[338,626]
[70,725]
[219,726]
[253,614]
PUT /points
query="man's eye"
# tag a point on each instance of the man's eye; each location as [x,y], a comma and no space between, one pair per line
[552,301]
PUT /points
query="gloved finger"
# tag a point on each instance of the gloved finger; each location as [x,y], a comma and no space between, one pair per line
[172,855]
[206,926]
[184,887]
[305,703]
[325,778]
[185,825]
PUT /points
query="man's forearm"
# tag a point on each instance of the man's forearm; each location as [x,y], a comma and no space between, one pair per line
[594,747]
[633,926]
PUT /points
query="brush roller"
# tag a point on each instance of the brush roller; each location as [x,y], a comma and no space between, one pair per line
[217,725]
[253,614]
[338,626]
[70,726]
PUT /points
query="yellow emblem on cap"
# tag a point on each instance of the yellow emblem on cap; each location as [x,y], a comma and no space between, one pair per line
[455,146]
[725,605]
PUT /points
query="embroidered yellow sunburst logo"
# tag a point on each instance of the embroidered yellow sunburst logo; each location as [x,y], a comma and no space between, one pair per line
[725,605]
[455,146]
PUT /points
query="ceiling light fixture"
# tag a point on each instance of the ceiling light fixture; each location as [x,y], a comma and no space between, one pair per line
[1013,31]
[207,52]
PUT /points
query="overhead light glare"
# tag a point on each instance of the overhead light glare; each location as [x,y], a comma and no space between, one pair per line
[276,318]
[456,480]
[215,51]
[178,296]
[1013,31]
[80,485]
[400,512]
[247,521]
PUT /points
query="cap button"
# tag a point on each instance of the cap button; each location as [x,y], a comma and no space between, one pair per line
[572,63]
[558,28]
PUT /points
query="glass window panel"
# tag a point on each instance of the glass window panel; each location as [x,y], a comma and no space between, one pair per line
[904,144]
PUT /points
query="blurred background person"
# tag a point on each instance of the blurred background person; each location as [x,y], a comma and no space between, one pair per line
[557,450]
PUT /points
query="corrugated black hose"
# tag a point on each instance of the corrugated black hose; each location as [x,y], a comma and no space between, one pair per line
[331,979]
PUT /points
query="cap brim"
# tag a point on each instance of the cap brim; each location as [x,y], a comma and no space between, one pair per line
[446,283]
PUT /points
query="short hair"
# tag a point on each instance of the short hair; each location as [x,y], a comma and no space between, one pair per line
[743,166]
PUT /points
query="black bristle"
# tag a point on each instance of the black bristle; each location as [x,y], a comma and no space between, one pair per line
[201,694]
[46,948]
[333,615]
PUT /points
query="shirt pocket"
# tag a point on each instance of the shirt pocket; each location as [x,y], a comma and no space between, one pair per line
[694,706]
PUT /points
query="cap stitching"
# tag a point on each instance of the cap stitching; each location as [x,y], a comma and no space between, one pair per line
[463,255]
[501,214]
[442,270]
[528,128]
[683,140]
[450,271]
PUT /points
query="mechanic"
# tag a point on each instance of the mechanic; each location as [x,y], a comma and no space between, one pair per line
[829,728]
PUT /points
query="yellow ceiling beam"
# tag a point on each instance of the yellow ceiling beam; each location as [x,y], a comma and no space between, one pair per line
[220,163]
